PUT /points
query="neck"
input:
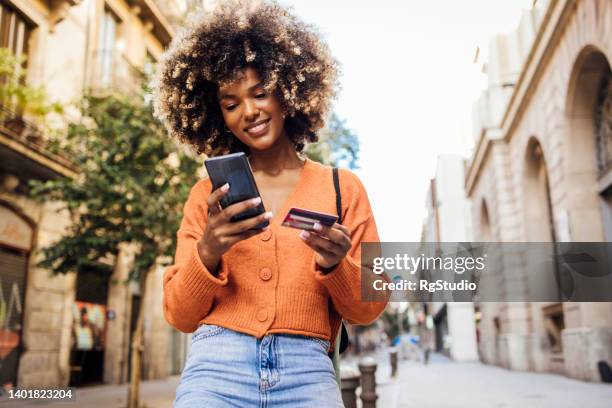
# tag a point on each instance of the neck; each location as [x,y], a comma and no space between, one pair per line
[282,155]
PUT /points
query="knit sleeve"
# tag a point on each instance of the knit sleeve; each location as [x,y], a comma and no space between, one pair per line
[189,287]
[350,284]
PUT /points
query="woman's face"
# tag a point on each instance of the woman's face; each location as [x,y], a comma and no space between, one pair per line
[251,113]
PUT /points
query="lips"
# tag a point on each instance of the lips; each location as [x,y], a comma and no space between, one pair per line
[258,128]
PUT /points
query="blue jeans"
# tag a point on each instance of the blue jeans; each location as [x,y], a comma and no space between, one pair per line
[225,368]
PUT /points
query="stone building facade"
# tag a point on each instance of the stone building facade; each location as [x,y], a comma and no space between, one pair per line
[542,172]
[72,45]
[449,220]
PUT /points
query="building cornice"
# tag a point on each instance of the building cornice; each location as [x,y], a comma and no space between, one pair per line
[160,25]
[541,51]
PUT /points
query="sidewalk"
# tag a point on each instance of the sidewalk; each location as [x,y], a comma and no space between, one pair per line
[444,383]
[153,394]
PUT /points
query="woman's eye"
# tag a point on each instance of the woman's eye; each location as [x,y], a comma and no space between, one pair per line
[260,96]
[230,107]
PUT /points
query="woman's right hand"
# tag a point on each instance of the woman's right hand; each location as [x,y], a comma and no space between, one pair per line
[220,233]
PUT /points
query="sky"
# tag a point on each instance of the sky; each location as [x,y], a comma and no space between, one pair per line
[408,82]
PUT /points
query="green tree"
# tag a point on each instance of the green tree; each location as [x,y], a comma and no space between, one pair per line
[132,186]
[391,323]
[15,94]
[337,145]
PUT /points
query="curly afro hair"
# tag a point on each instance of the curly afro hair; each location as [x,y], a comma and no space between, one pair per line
[214,49]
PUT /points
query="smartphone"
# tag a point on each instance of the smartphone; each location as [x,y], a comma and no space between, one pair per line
[235,170]
[305,219]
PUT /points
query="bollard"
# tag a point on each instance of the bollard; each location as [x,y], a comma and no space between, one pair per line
[350,382]
[393,356]
[367,367]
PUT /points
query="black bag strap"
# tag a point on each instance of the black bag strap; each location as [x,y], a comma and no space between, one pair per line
[344,340]
[338,195]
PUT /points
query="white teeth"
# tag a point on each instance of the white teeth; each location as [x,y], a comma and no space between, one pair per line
[257,128]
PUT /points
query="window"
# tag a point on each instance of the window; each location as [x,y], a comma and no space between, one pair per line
[149,64]
[106,47]
[554,324]
[14,30]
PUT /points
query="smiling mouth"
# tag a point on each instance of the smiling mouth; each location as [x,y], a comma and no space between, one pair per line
[259,129]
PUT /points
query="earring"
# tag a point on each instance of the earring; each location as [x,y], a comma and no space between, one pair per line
[226,129]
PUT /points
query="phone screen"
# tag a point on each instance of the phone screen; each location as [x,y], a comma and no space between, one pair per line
[241,187]
[235,169]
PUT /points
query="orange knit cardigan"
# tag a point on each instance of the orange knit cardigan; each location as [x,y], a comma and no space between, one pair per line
[270,282]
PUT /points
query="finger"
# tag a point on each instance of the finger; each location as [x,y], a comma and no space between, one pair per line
[245,225]
[322,243]
[343,228]
[321,251]
[336,226]
[322,230]
[232,239]
[240,207]
[214,197]
[334,234]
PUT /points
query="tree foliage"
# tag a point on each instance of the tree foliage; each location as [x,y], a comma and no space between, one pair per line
[337,146]
[391,324]
[132,186]
[16,93]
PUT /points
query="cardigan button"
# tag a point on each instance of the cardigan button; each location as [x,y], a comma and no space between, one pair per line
[266,235]
[265,274]
[262,315]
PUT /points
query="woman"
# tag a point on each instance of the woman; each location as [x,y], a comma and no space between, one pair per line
[250,77]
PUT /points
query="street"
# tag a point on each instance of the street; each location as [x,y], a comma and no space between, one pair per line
[442,383]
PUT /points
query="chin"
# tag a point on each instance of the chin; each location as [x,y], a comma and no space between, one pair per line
[261,143]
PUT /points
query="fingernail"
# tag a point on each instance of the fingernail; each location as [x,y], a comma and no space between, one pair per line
[304,234]
[268,215]
[225,187]
[256,200]
[317,227]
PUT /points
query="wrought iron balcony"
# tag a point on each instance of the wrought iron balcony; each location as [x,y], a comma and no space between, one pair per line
[112,72]
[24,150]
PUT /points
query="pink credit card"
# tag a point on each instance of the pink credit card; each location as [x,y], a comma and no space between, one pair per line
[306,219]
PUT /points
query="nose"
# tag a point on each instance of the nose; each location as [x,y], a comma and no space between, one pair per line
[251,112]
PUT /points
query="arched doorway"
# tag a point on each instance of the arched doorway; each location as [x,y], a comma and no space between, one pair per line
[488,323]
[588,166]
[16,235]
[603,146]
[539,223]
[589,147]
[547,320]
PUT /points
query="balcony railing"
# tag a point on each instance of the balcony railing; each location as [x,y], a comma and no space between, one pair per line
[28,134]
[19,128]
[113,72]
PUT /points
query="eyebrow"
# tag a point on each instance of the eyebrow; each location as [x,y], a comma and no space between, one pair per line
[230,96]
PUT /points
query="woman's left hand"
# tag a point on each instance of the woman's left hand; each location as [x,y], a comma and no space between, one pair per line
[331,244]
